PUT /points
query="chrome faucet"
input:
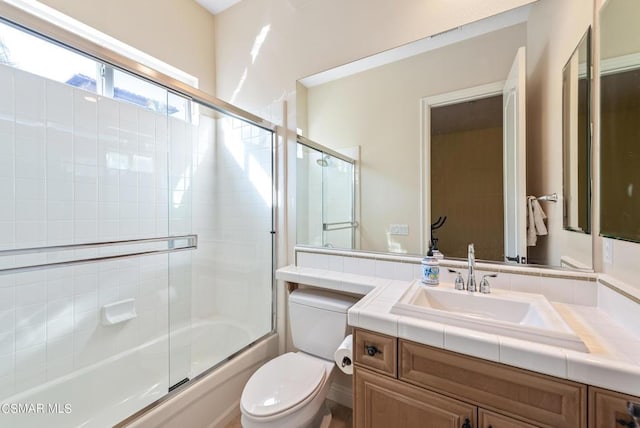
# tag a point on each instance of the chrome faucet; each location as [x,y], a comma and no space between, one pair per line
[485,287]
[471,279]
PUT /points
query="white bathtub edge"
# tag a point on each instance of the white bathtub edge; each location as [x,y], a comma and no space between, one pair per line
[213,400]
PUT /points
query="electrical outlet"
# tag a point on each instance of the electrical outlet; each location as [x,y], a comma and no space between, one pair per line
[398,229]
[607,251]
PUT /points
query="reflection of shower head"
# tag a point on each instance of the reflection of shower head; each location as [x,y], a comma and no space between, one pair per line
[324,161]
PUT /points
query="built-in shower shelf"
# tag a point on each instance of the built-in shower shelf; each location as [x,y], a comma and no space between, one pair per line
[119,312]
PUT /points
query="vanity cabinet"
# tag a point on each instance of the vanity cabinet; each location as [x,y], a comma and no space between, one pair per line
[610,409]
[385,402]
[438,388]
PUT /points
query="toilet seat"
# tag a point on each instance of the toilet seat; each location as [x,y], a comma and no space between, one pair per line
[282,385]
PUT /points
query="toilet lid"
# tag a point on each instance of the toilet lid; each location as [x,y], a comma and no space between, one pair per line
[281,384]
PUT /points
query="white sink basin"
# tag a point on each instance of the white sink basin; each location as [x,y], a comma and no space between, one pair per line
[520,315]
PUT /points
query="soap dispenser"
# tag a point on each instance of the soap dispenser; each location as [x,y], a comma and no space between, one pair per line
[430,269]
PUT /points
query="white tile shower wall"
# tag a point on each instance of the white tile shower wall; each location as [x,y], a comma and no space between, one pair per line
[180,166]
[75,167]
[232,267]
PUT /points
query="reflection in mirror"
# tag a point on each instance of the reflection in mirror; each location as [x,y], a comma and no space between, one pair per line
[619,124]
[461,134]
[325,195]
[384,104]
[576,138]
[380,110]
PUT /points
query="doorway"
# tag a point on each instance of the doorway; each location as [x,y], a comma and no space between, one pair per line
[467,177]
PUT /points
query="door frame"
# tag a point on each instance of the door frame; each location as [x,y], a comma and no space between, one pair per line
[426,104]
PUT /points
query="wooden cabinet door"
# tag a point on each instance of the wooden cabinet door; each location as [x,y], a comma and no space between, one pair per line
[488,419]
[382,402]
[608,409]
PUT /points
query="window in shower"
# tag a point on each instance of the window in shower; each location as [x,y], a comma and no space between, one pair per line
[325,195]
[23,50]
[127,173]
[28,52]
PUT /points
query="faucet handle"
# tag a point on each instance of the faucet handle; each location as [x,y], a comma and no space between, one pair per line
[484,283]
[459,282]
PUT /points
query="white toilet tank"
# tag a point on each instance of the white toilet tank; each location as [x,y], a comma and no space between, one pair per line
[318,320]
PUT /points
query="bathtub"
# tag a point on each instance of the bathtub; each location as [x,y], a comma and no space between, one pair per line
[110,391]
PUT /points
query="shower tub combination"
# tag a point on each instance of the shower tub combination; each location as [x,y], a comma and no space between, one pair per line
[111,390]
[123,281]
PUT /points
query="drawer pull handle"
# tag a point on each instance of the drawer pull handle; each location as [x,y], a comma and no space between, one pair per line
[633,409]
[467,423]
[627,424]
[372,350]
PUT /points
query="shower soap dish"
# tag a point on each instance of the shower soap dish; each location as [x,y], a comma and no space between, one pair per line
[120,311]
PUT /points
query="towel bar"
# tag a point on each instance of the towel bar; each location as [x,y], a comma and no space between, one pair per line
[550,198]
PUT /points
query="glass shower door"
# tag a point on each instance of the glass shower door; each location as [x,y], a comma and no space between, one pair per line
[338,208]
[221,189]
[325,195]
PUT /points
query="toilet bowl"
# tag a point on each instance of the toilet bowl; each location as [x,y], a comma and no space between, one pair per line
[290,390]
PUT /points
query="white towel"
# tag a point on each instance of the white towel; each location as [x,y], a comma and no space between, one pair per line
[535,221]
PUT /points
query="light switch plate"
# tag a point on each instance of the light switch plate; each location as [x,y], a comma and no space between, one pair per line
[607,251]
[399,229]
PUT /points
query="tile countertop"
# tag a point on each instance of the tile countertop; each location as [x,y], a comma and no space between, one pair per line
[613,361]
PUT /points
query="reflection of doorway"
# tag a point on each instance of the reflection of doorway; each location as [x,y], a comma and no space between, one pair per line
[466,176]
[512,92]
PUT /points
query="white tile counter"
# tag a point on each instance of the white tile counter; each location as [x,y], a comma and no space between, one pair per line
[613,361]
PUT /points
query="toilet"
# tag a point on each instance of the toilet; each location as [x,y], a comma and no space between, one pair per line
[289,391]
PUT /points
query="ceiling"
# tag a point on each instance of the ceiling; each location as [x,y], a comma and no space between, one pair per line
[217,6]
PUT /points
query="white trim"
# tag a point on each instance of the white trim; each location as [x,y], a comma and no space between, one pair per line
[426,104]
[86,32]
[467,94]
[619,64]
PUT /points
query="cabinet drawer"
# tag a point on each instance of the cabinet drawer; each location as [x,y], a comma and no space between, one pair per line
[487,419]
[538,399]
[376,351]
[609,409]
[382,402]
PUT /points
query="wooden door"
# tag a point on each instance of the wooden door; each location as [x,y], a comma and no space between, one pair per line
[382,402]
[610,409]
[515,160]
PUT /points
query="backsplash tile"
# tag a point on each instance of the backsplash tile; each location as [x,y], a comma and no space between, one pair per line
[557,286]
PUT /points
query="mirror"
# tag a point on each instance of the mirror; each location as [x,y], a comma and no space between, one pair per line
[325,196]
[384,107]
[619,124]
[576,139]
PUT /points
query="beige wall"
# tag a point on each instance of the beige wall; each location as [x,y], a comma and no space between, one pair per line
[379,110]
[306,37]
[623,37]
[178,32]
[554,30]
